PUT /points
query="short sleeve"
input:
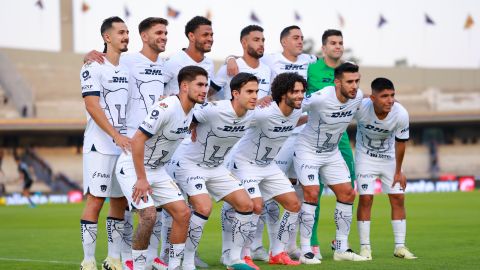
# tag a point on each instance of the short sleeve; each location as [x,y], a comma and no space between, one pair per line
[90,80]
[155,119]
[402,132]
[203,112]
[220,79]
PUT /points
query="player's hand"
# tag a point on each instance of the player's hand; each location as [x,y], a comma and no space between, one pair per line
[193,131]
[401,179]
[124,143]
[94,56]
[141,190]
[264,102]
[232,67]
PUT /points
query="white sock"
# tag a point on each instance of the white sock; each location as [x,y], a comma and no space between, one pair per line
[247,248]
[292,242]
[139,259]
[286,230]
[364,232]
[399,232]
[114,236]
[343,222]
[195,231]
[258,239]
[273,220]
[176,255]
[306,219]
[166,230]
[89,239]
[155,238]
[227,216]
[126,246]
[241,234]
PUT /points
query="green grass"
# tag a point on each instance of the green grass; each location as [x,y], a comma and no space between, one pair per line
[443,230]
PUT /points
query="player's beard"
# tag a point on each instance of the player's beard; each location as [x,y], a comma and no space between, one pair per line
[156,48]
[253,53]
[201,48]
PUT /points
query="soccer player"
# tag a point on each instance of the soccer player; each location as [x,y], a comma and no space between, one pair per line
[320,75]
[199,169]
[252,159]
[317,156]
[25,174]
[382,132]
[105,92]
[142,174]
[146,85]
[252,40]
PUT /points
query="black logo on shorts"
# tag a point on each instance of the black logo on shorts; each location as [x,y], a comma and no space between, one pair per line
[103,188]
[311,177]
[364,186]
[251,190]
[199,186]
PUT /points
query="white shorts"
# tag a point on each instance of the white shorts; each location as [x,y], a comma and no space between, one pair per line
[164,190]
[194,180]
[368,173]
[99,175]
[284,158]
[262,182]
[332,169]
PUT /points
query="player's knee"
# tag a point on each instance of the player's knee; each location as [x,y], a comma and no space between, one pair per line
[397,201]
[245,206]
[204,210]
[293,206]
[348,196]
[311,195]
[257,208]
[183,215]
[365,201]
[147,216]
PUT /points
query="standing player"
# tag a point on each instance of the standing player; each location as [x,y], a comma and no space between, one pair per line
[25,174]
[321,75]
[105,92]
[199,169]
[317,155]
[142,175]
[146,85]
[252,40]
[252,160]
[382,132]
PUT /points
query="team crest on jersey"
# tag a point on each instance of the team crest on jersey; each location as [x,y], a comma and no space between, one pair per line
[163,105]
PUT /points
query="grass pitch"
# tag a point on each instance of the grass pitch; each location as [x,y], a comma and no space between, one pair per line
[443,230]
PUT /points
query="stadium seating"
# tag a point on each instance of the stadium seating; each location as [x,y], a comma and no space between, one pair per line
[64,160]
[468,164]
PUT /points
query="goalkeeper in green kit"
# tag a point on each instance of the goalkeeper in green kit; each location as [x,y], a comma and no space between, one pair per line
[320,75]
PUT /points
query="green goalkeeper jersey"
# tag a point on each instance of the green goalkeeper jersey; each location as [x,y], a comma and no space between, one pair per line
[319,76]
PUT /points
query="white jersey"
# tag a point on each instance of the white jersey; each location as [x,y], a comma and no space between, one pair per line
[328,118]
[268,131]
[145,87]
[110,84]
[219,128]
[376,138]
[166,126]
[177,62]
[279,64]
[262,72]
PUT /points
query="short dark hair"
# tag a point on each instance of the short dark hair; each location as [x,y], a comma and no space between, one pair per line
[346,67]
[380,84]
[328,33]
[106,25]
[284,83]
[147,23]
[194,23]
[190,73]
[247,30]
[240,80]
[286,31]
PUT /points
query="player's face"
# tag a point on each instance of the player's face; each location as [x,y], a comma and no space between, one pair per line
[255,44]
[383,101]
[247,96]
[293,43]
[334,48]
[348,84]
[197,89]
[156,37]
[294,98]
[118,36]
[203,38]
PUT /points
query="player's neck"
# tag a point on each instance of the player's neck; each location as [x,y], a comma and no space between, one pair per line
[150,54]
[251,61]
[195,54]
[113,57]
[239,110]
[285,109]
[339,95]
[380,114]
[186,103]
[333,63]
[290,57]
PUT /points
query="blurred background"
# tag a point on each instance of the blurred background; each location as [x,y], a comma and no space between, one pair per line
[429,49]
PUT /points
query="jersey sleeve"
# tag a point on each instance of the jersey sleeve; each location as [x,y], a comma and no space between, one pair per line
[90,80]
[402,132]
[203,113]
[310,101]
[220,79]
[168,71]
[153,122]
